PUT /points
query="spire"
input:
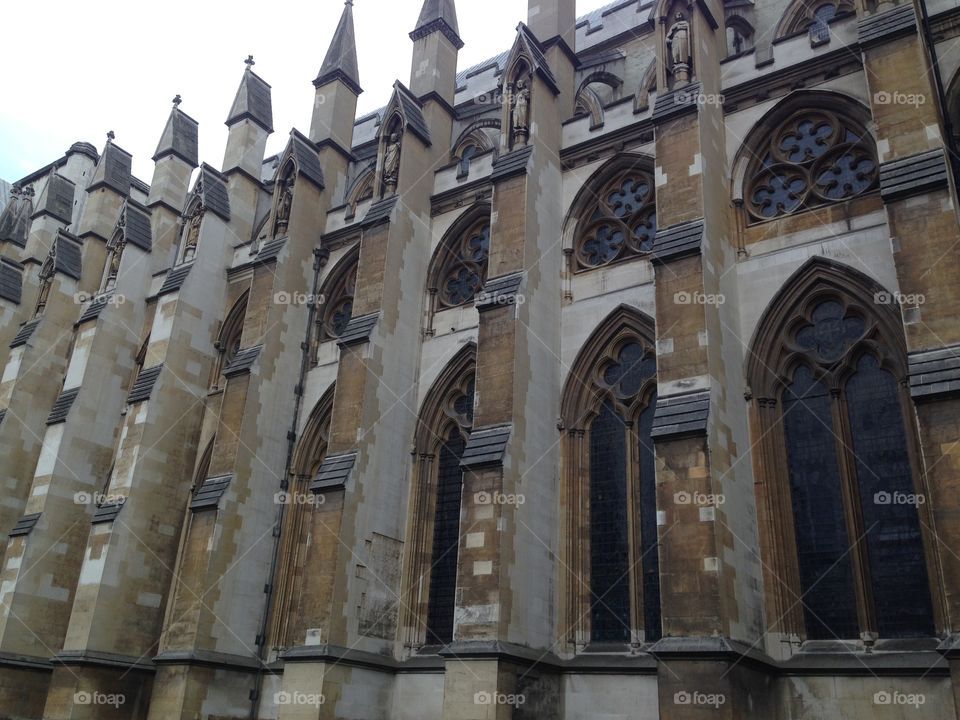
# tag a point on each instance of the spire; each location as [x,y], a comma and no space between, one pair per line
[180,137]
[438,15]
[253,101]
[341,60]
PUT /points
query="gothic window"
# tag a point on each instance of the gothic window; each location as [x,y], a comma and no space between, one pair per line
[620,222]
[458,269]
[228,340]
[431,570]
[335,306]
[613,590]
[739,36]
[831,412]
[814,158]
[811,16]
[466,155]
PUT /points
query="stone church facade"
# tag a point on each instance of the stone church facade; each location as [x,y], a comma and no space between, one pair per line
[613,378]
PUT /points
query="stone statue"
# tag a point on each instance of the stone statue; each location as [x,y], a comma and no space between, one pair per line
[391,163]
[678,43]
[283,206]
[521,112]
[193,234]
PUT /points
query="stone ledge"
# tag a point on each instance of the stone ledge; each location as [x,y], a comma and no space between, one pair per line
[679,416]
[334,472]
[677,241]
[23,335]
[102,659]
[25,525]
[486,446]
[885,26]
[143,386]
[675,104]
[208,658]
[934,373]
[499,291]
[358,330]
[209,493]
[913,175]
[242,362]
[61,407]
[512,164]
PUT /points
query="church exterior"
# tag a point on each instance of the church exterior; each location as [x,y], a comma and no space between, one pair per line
[615,378]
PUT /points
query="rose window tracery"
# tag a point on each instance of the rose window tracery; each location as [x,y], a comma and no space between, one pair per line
[622,223]
[465,266]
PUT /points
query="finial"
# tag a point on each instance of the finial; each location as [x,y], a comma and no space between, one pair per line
[249,62]
[348,3]
[177,100]
[110,136]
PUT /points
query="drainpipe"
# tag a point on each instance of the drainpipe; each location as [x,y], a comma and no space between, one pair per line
[320,257]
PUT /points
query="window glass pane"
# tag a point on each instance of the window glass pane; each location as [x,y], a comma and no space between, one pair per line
[650,561]
[609,546]
[822,546]
[446,533]
[898,573]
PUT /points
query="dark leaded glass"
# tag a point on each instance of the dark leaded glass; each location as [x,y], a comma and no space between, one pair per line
[446,534]
[901,593]
[604,246]
[462,285]
[634,367]
[464,266]
[650,559]
[826,581]
[808,141]
[622,223]
[832,333]
[609,543]
[340,318]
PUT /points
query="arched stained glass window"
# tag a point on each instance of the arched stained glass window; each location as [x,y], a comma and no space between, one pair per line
[621,222]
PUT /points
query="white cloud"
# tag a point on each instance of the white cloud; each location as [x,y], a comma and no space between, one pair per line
[77,70]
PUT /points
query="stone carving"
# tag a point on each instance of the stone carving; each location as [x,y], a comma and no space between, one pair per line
[521,113]
[283,206]
[391,163]
[678,43]
[193,233]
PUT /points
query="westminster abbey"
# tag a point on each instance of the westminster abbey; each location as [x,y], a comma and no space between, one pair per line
[614,378]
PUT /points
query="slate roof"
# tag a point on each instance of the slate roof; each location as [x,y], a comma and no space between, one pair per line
[66,255]
[143,385]
[106,513]
[15,220]
[25,525]
[174,279]
[11,280]
[340,62]
[306,155]
[114,170]
[213,191]
[912,175]
[681,415]
[95,307]
[253,101]
[411,110]
[209,493]
[137,227]
[334,472]
[438,16]
[270,250]
[511,164]
[934,372]
[242,361]
[379,211]
[57,199]
[499,291]
[62,406]
[540,65]
[358,329]
[674,104]
[23,336]
[486,446]
[678,241]
[3,414]
[886,25]
[180,138]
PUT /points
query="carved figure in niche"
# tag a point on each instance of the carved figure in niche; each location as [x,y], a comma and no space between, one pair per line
[193,234]
[521,113]
[678,43]
[283,206]
[391,163]
[46,281]
[116,254]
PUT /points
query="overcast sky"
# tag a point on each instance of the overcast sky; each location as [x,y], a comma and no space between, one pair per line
[78,69]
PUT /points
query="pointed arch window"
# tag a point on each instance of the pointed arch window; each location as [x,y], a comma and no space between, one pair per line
[619,222]
[335,307]
[459,266]
[612,549]
[831,421]
[228,341]
[431,571]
